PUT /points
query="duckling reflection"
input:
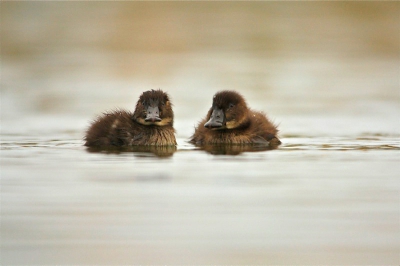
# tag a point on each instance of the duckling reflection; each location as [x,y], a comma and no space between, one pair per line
[150,125]
[137,151]
[229,121]
[222,149]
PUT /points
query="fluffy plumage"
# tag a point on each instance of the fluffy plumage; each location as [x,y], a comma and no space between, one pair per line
[230,121]
[150,124]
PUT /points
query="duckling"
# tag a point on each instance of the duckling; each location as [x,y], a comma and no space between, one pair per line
[230,121]
[150,124]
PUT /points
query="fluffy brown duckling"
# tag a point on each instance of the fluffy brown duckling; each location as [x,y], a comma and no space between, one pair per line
[230,121]
[150,124]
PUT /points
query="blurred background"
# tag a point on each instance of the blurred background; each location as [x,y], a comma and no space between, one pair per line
[326,72]
[320,60]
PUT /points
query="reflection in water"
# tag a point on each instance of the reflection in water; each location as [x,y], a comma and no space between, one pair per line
[159,151]
[229,149]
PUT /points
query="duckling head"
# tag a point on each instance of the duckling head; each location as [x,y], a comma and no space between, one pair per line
[154,109]
[229,111]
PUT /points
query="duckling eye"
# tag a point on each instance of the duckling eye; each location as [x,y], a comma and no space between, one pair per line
[231,105]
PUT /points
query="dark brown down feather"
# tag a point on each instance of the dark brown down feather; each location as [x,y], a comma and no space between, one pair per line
[241,124]
[123,129]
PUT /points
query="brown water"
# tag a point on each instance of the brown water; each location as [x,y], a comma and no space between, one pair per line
[327,73]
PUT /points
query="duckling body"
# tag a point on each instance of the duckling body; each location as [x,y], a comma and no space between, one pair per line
[150,124]
[230,121]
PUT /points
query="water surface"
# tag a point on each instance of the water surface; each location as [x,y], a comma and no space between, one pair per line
[327,73]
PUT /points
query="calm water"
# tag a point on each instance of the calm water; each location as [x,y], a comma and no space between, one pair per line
[327,73]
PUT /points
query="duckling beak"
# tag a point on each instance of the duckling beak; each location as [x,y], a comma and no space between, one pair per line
[216,120]
[152,114]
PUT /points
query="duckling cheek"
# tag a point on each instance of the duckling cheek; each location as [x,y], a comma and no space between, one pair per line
[231,124]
